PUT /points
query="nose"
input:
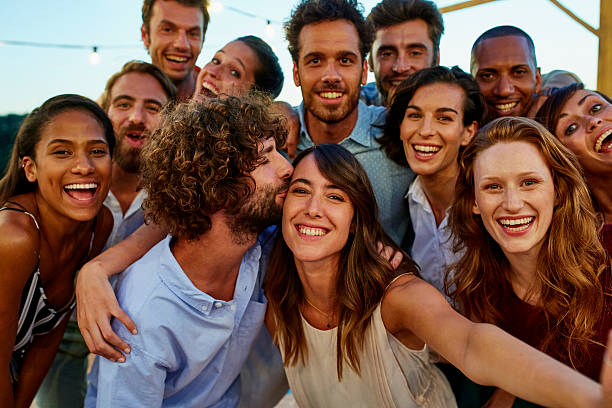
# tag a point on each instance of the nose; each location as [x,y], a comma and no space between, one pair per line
[426,130]
[284,169]
[331,74]
[593,122]
[313,206]
[504,86]
[137,114]
[82,163]
[513,201]
[180,40]
[401,64]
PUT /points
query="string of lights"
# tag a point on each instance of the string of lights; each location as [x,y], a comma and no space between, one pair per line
[94,57]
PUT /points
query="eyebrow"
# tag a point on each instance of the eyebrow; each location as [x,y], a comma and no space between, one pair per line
[338,54]
[237,59]
[174,25]
[437,110]
[580,102]
[309,183]
[66,141]
[131,98]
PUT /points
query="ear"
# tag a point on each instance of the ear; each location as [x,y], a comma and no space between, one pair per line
[364,73]
[468,133]
[29,168]
[538,80]
[296,75]
[144,36]
[475,208]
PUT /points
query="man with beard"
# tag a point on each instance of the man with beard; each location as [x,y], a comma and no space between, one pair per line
[328,42]
[133,99]
[214,180]
[406,40]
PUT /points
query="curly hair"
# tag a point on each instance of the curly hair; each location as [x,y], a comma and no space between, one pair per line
[363,274]
[474,105]
[200,158]
[317,11]
[14,181]
[571,261]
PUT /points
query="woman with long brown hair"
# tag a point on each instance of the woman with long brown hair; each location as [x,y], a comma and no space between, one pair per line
[353,331]
[533,264]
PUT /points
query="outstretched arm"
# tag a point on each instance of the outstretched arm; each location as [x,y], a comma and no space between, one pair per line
[486,354]
[96,301]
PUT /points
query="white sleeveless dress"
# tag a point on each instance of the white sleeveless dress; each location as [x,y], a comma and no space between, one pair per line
[392,375]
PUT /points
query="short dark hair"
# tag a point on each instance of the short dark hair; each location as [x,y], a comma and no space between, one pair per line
[14,181]
[391,12]
[142,68]
[269,76]
[474,105]
[147,11]
[317,11]
[504,31]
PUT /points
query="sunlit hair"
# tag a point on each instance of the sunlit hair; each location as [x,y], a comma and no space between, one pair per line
[140,67]
[14,181]
[474,105]
[318,11]
[268,73]
[199,160]
[569,265]
[147,12]
[363,274]
[388,13]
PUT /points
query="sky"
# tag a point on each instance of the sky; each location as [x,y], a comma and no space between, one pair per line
[30,75]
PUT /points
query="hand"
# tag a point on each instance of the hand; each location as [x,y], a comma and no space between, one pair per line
[394,257]
[96,304]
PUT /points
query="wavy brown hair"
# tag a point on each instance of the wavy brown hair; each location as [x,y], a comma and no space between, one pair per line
[199,159]
[570,263]
[363,274]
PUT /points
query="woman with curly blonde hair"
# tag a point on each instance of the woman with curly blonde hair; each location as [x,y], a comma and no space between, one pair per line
[533,264]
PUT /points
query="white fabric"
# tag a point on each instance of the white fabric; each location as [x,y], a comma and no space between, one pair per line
[392,375]
[124,224]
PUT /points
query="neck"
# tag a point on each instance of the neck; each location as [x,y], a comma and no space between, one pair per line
[186,87]
[439,189]
[523,268]
[58,229]
[323,132]
[216,272]
[319,282]
[601,187]
[124,186]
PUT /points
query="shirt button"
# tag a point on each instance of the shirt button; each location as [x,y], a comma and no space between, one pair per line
[218,304]
[233,307]
[204,307]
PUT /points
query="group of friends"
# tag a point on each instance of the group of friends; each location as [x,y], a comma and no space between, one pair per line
[439,238]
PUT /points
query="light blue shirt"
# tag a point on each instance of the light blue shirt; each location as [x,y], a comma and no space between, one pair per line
[370,95]
[190,347]
[389,180]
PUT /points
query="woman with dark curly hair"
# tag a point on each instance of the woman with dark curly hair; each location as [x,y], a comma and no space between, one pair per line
[532,262]
[582,120]
[52,221]
[355,332]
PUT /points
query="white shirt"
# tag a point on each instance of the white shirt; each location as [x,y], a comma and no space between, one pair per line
[432,248]
[124,225]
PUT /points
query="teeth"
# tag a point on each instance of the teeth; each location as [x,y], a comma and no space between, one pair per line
[81,186]
[176,58]
[209,87]
[311,231]
[426,148]
[518,224]
[504,107]
[331,95]
[600,140]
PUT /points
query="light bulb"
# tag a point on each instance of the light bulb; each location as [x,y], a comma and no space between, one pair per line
[215,7]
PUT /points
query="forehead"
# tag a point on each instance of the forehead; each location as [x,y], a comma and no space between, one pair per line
[403,34]
[139,85]
[439,95]
[176,13]
[308,169]
[507,158]
[241,53]
[503,52]
[576,103]
[329,38]
[71,125]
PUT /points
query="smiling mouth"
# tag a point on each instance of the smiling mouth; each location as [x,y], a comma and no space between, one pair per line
[426,150]
[330,95]
[208,90]
[311,231]
[516,224]
[604,142]
[505,107]
[81,192]
[176,58]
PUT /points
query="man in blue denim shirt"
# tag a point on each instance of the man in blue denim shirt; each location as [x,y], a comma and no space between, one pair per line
[196,297]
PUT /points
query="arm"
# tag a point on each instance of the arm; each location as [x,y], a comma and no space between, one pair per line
[96,301]
[38,359]
[18,258]
[485,353]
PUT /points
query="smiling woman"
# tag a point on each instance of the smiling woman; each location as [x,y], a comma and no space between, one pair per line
[52,221]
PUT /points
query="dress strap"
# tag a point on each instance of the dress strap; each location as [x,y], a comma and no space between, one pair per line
[21,210]
[396,278]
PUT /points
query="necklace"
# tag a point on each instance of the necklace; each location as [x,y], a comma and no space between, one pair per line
[328,315]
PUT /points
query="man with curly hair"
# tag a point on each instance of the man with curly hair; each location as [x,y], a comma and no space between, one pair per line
[215,181]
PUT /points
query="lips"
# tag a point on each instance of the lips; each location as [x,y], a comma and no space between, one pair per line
[81,191]
[603,143]
[505,108]
[330,94]
[209,90]
[179,59]
[425,151]
[135,136]
[307,231]
[516,224]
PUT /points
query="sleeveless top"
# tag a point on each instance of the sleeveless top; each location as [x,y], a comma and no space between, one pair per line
[36,315]
[392,375]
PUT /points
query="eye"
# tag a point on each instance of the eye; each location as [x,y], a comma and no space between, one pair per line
[595,108]
[445,119]
[235,73]
[570,129]
[61,153]
[530,182]
[414,115]
[520,72]
[215,61]
[299,190]
[195,34]
[416,53]
[346,60]
[314,60]
[486,76]
[154,108]
[386,54]
[492,186]
[122,105]
[99,152]
[336,197]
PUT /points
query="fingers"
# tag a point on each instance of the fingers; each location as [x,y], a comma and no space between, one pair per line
[397,259]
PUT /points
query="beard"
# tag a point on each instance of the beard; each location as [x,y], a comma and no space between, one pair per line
[257,213]
[128,157]
[333,114]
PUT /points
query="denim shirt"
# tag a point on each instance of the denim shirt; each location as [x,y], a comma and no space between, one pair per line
[370,94]
[389,180]
[190,347]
